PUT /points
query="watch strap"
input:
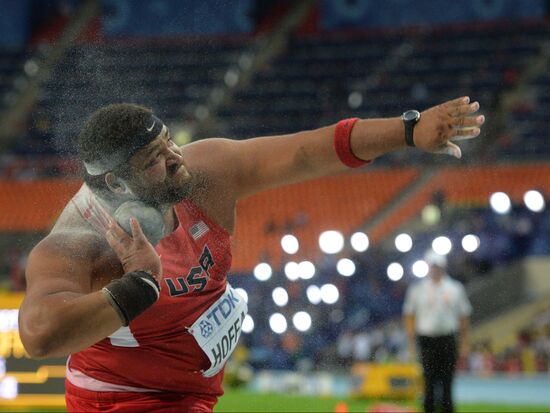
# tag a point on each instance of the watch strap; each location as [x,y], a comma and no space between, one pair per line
[409,124]
[409,133]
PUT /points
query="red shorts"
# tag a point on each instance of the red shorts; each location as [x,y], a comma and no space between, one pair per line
[81,400]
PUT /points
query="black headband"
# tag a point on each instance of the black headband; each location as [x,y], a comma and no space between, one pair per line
[110,161]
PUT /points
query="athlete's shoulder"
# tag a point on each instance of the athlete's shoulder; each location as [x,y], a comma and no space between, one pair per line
[70,244]
[207,144]
[213,165]
[70,236]
[210,154]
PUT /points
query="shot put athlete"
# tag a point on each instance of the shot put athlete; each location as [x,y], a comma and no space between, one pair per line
[146,314]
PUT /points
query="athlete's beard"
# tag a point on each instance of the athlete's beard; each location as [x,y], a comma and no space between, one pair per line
[164,196]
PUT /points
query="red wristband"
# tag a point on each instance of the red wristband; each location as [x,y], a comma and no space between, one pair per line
[342,144]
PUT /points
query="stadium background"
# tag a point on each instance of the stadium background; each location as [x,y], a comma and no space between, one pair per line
[243,68]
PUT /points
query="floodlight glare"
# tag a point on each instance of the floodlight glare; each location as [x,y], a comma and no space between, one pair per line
[242,292]
[442,245]
[290,244]
[470,243]
[313,293]
[331,242]
[395,271]
[534,201]
[403,242]
[280,296]
[263,271]
[306,270]
[248,324]
[500,202]
[329,293]
[345,267]
[278,323]
[302,321]
[420,268]
[359,241]
[292,270]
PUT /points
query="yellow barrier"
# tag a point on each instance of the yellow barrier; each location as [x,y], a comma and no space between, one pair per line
[26,402]
[41,377]
[10,300]
[386,381]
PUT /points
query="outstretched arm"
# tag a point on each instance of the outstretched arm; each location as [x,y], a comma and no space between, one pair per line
[237,169]
[253,165]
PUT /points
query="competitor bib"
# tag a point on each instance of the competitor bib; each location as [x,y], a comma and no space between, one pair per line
[218,329]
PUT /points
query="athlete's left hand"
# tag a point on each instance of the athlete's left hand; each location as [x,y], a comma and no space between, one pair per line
[447,122]
[134,252]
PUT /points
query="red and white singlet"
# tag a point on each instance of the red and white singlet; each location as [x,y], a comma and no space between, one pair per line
[160,349]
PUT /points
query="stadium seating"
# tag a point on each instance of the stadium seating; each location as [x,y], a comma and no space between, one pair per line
[368,299]
[468,187]
[169,77]
[313,82]
[34,205]
[316,81]
[264,218]
[526,133]
[11,67]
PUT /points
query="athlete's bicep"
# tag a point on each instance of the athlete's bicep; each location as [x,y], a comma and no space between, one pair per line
[50,270]
[257,164]
[53,279]
[272,161]
[62,313]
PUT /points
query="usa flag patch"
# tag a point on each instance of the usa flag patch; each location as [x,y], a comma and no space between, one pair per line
[198,230]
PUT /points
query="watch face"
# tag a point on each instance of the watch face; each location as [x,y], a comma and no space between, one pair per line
[411,115]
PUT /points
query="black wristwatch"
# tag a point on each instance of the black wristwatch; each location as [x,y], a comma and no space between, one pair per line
[410,117]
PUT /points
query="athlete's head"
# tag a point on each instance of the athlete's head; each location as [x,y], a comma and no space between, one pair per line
[127,153]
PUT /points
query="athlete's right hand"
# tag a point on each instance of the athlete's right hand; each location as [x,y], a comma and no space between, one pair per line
[134,252]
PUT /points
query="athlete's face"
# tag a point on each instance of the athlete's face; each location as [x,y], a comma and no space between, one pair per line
[159,175]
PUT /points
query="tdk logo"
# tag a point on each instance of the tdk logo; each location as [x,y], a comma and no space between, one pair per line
[224,308]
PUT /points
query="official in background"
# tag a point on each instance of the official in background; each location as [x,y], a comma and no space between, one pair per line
[437,319]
